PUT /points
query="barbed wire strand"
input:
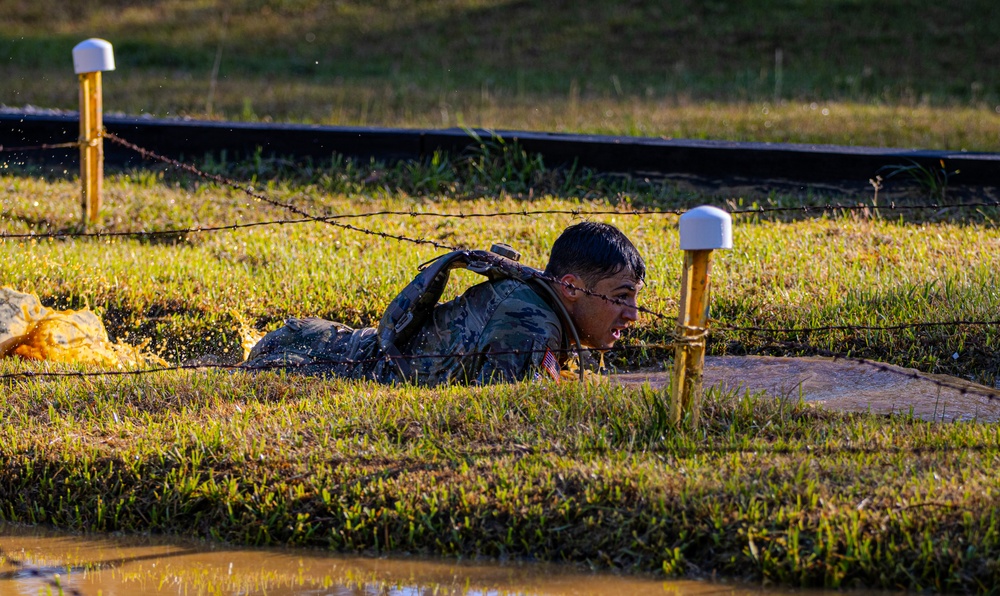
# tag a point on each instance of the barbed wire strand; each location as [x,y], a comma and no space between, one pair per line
[416,214]
[307,217]
[336,361]
[42,147]
[896,327]
[411,213]
[861,207]
[460,215]
[251,192]
[291,367]
[318,218]
[892,206]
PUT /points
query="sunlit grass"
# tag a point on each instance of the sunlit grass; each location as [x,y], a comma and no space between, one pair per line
[190,294]
[768,489]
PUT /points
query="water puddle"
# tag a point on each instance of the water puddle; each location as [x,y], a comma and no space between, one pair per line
[38,561]
[844,385]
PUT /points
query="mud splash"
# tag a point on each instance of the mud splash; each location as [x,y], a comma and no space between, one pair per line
[843,385]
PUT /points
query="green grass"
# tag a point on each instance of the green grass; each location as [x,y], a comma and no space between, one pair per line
[191,294]
[896,73]
[769,490]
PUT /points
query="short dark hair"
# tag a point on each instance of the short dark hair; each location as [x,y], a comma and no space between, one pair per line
[594,251]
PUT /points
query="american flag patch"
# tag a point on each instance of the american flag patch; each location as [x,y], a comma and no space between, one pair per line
[551,365]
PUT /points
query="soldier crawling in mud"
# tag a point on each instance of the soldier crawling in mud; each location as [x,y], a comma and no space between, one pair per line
[514,326]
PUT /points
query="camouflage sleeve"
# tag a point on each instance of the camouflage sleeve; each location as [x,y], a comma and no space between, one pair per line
[515,342]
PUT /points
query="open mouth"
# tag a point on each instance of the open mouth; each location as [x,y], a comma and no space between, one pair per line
[616,333]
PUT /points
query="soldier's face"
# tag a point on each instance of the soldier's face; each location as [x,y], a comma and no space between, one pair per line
[600,322]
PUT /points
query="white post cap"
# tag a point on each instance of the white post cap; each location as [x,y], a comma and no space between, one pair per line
[93,55]
[706,228]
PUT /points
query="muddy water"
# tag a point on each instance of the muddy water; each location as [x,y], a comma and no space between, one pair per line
[844,385]
[37,561]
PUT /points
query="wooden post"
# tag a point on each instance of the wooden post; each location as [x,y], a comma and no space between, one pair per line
[90,58]
[91,145]
[689,357]
[702,230]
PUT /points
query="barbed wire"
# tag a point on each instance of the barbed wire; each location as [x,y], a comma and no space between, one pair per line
[434,214]
[42,147]
[308,217]
[322,219]
[249,190]
[895,327]
[989,394]
[460,215]
[331,220]
[892,206]
[336,362]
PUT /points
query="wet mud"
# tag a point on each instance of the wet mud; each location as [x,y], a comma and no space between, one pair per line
[845,385]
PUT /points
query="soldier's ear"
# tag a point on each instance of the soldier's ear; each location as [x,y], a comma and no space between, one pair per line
[569,289]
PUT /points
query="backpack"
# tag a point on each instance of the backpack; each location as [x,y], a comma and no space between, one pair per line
[408,312]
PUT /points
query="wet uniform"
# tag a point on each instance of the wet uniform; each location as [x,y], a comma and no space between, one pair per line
[497,331]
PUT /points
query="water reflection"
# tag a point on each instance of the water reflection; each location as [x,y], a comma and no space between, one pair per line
[37,561]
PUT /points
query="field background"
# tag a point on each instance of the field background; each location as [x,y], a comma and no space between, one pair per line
[892,73]
[770,490]
[906,73]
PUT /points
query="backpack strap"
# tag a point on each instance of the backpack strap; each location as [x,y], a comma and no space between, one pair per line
[407,313]
[543,289]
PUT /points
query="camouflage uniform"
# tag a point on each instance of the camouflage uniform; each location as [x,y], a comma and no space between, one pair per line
[497,331]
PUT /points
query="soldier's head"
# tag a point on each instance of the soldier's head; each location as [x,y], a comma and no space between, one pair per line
[599,258]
